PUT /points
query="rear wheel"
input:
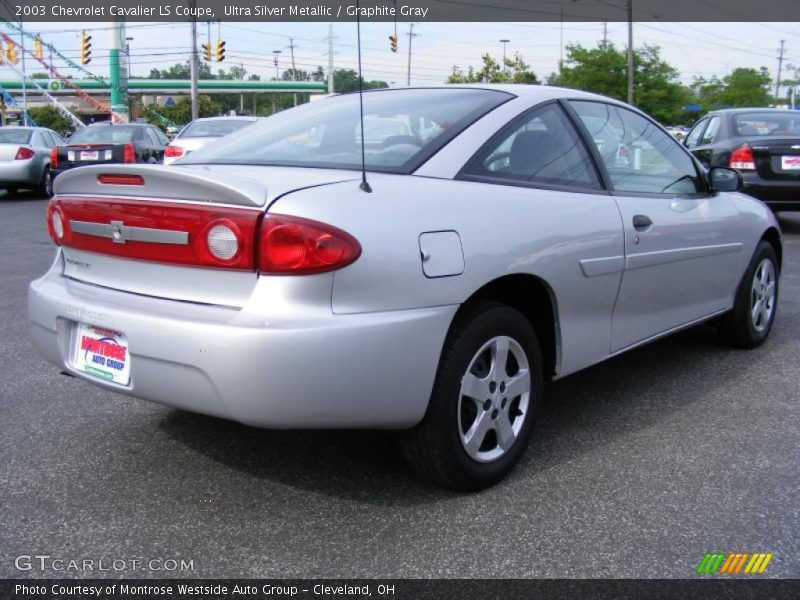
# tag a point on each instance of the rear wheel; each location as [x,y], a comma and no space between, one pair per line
[748,324]
[45,187]
[482,408]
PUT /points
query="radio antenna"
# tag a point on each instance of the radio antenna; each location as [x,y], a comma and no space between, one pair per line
[364,183]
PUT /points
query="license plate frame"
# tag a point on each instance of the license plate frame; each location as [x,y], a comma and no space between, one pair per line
[102,353]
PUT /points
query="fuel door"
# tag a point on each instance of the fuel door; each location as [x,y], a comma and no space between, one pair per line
[441,253]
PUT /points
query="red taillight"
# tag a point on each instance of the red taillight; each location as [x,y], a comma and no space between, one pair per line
[297,246]
[173,151]
[128,154]
[742,159]
[54,158]
[24,153]
[56,225]
[120,179]
[219,237]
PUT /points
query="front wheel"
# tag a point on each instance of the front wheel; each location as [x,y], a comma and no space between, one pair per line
[484,399]
[748,324]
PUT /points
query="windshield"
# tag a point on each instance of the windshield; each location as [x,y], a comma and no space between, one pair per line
[216,128]
[106,134]
[402,128]
[15,136]
[767,123]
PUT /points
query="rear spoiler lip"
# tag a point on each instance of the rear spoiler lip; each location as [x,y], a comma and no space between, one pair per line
[164,183]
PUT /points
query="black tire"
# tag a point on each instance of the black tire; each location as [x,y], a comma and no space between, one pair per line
[434,448]
[737,328]
[45,187]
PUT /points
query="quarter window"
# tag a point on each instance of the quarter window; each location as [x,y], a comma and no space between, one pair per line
[543,147]
[638,155]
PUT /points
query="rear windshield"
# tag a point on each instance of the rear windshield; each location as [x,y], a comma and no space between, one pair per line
[402,128]
[768,123]
[107,134]
[202,129]
[15,136]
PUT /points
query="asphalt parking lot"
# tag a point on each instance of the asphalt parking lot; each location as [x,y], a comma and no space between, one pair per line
[638,467]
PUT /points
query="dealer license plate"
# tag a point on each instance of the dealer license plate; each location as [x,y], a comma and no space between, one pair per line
[92,155]
[102,353]
[790,163]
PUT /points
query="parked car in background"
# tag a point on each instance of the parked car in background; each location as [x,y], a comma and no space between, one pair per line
[25,159]
[763,144]
[490,247]
[200,132]
[103,143]
[677,132]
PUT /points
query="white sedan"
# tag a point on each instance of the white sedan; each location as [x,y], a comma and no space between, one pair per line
[200,132]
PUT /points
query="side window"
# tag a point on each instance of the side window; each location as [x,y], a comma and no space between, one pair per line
[645,159]
[711,131]
[57,139]
[40,140]
[163,140]
[153,138]
[541,147]
[693,139]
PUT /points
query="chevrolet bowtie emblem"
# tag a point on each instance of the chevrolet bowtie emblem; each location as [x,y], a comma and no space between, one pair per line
[117,234]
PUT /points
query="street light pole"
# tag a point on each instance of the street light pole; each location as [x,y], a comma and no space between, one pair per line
[193,63]
[504,42]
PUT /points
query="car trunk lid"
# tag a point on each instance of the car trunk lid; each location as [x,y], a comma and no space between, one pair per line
[148,229]
[777,157]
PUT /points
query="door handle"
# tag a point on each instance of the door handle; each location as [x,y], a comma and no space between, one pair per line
[641,222]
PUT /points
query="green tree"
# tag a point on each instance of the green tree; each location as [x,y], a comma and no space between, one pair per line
[604,70]
[182,71]
[181,111]
[743,87]
[49,116]
[346,80]
[515,71]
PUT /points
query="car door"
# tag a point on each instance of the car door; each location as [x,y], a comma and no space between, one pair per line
[705,147]
[682,244]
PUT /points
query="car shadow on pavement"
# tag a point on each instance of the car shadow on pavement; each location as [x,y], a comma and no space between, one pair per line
[581,412]
[790,222]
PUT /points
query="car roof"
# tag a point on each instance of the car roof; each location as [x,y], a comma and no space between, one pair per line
[725,111]
[226,118]
[533,92]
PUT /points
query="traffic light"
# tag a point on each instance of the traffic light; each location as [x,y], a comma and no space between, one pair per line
[11,53]
[86,48]
[393,42]
[220,50]
[38,52]
[207,51]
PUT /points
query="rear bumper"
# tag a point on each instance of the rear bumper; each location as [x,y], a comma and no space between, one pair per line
[372,370]
[20,172]
[778,195]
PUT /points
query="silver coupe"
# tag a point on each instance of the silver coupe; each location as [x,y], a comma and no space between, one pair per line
[499,238]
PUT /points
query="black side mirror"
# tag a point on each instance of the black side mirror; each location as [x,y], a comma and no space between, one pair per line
[724,179]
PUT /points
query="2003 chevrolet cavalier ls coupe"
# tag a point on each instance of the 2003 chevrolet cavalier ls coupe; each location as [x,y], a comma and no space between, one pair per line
[505,242]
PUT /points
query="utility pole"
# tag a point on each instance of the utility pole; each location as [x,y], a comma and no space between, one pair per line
[331,88]
[24,76]
[630,51]
[777,80]
[276,54]
[411,35]
[294,74]
[193,62]
[605,34]
[504,42]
